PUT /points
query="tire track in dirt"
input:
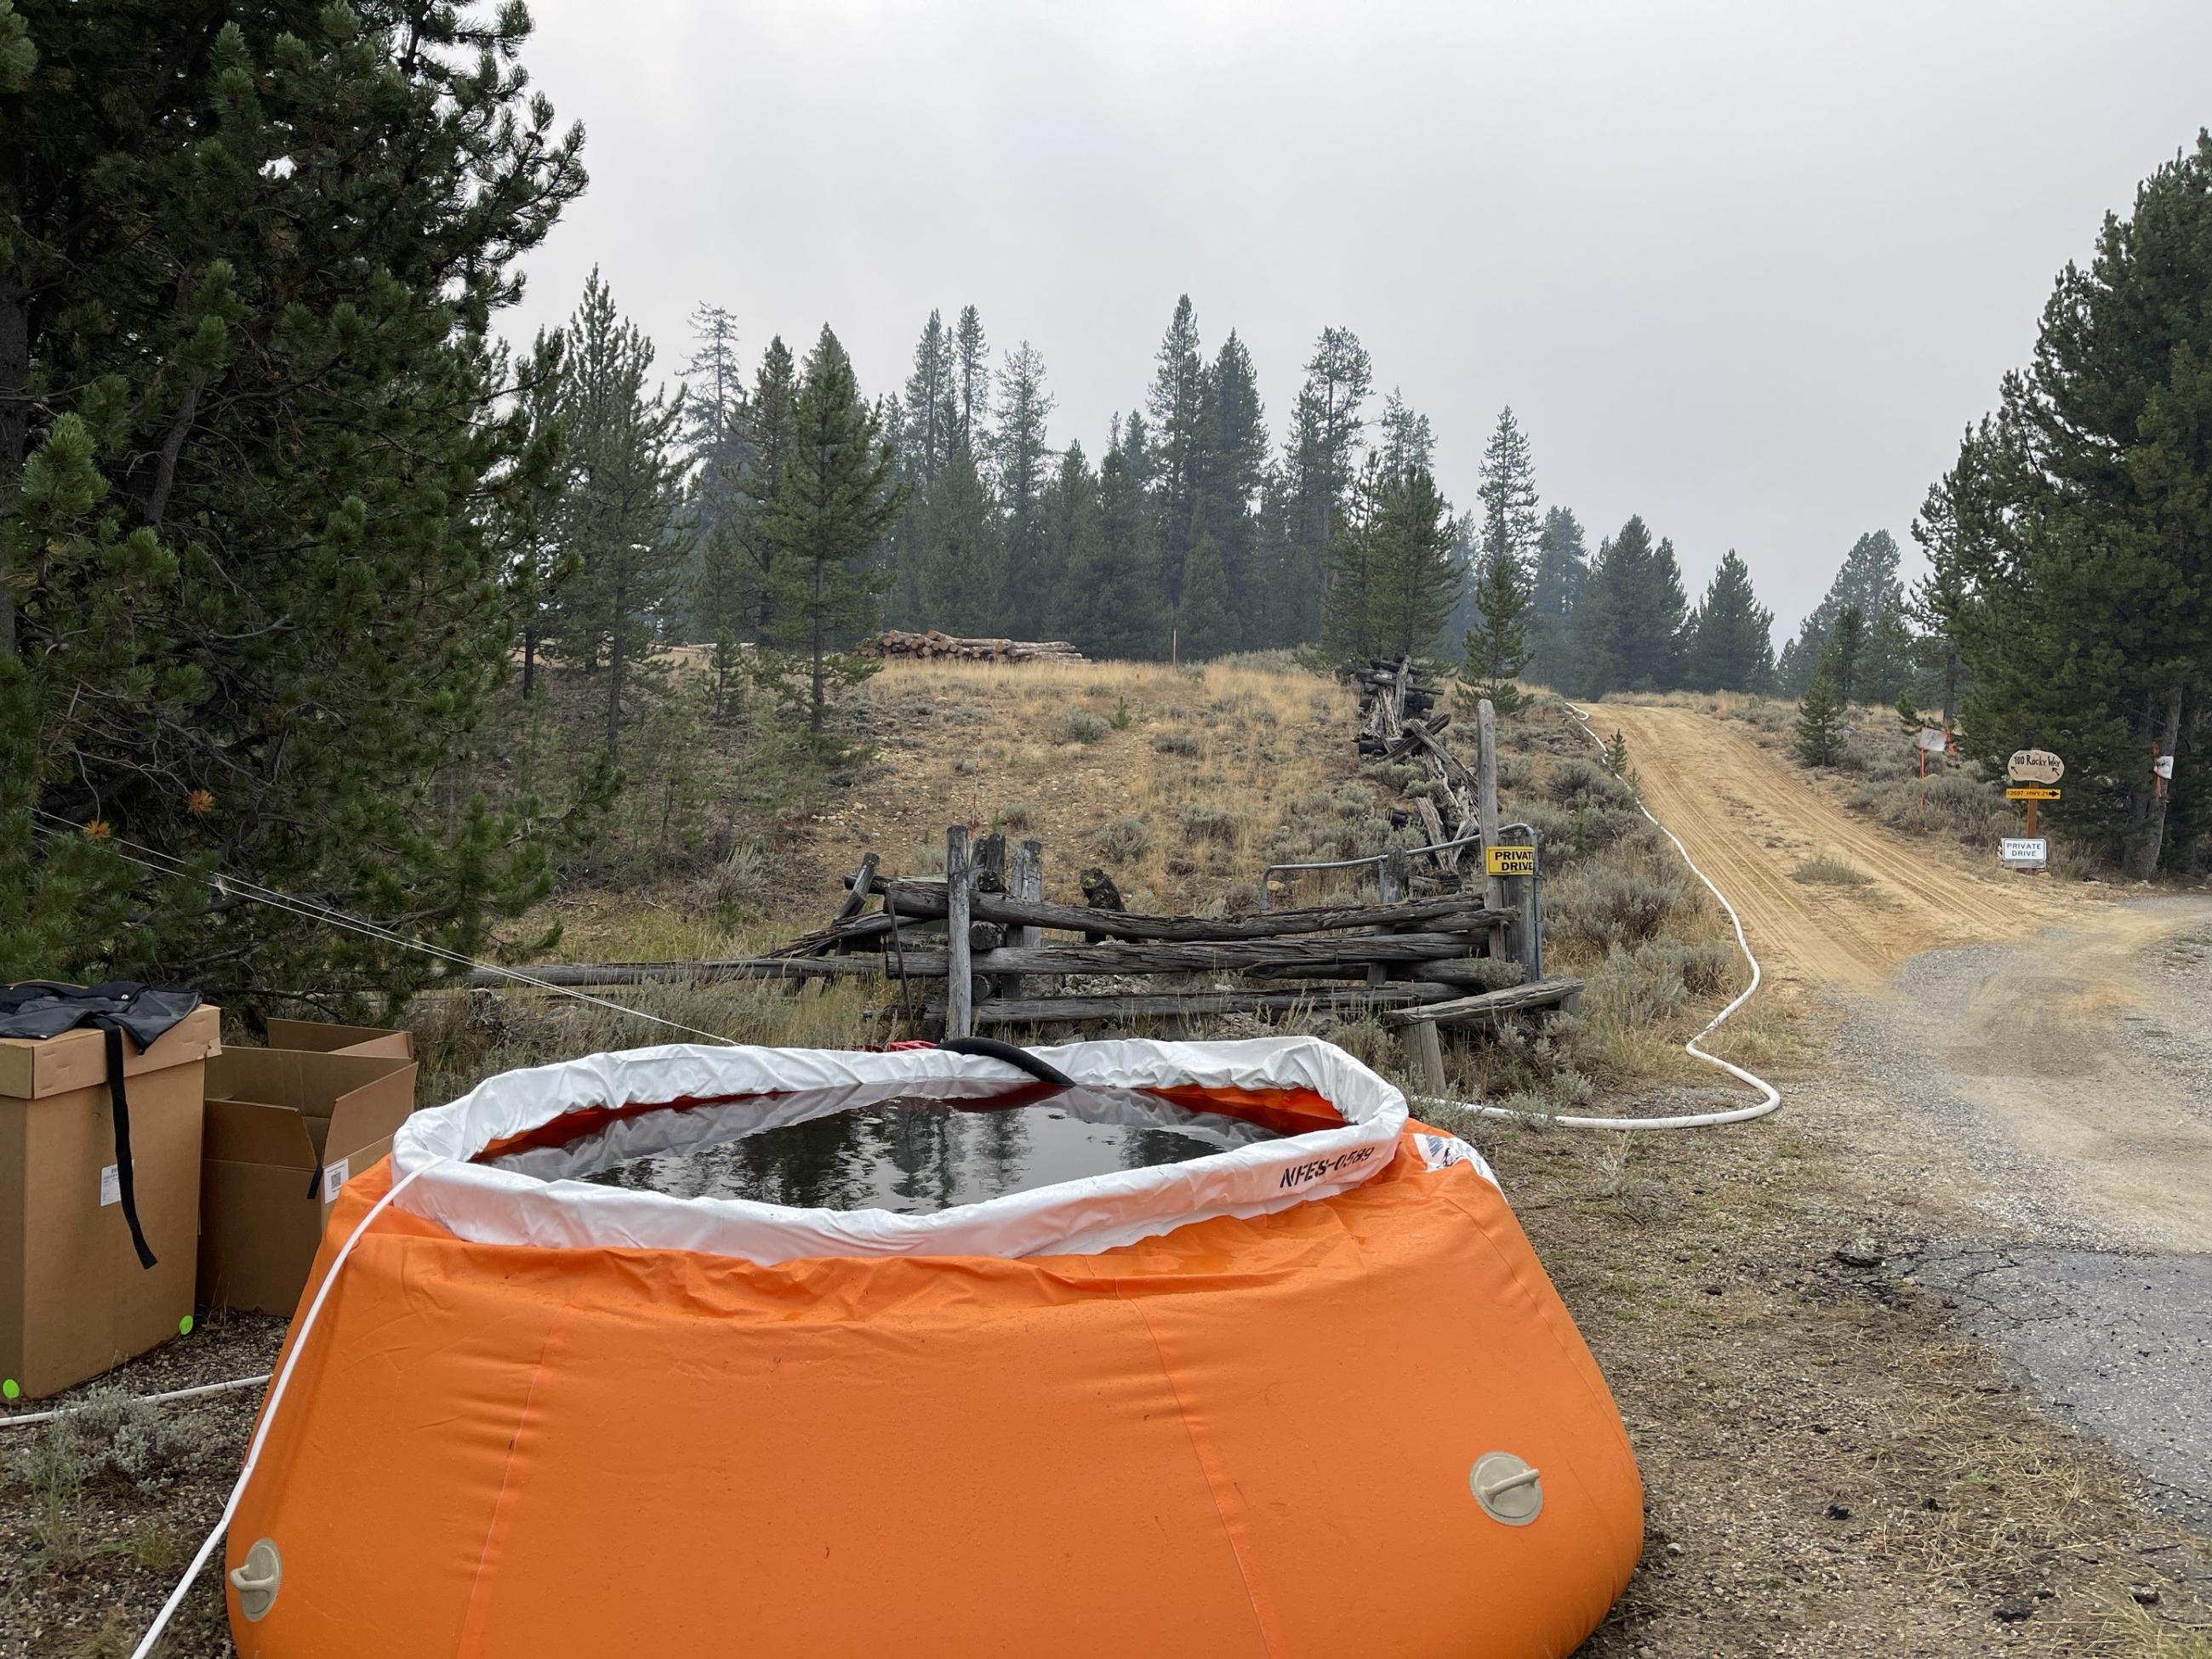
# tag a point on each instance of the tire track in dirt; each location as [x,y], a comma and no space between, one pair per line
[1751,819]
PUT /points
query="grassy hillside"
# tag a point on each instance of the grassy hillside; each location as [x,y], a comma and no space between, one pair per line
[1184,785]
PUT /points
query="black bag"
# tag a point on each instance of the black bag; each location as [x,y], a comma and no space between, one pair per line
[39,1008]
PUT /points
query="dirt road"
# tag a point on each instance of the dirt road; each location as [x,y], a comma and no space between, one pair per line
[1750,820]
[2037,1048]
[2034,1060]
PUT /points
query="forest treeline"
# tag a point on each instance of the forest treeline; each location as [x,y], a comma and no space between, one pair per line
[1194,534]
[283,512]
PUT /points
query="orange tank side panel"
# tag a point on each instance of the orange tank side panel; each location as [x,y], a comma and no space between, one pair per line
[1334,1412]
[1263,1428]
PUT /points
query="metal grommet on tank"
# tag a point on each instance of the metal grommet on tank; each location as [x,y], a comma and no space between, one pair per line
[1509,1491]
[257,1579]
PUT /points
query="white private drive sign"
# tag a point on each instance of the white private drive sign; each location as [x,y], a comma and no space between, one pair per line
[2018,852]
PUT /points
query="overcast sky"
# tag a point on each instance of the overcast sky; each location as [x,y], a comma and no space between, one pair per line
[1747,269]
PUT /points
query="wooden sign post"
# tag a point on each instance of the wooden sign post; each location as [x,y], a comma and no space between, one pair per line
[2035,774]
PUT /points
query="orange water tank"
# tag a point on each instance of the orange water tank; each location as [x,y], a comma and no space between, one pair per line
[1355,1420]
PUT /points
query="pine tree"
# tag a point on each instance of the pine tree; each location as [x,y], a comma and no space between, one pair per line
[835,503]
[1113,611]
[1285,605]
[1496,648]
[1616,756]
[713,445]
[1867,579]
[1024,405]
[963,557]
[258,456]
[1562,571]
[1231,476]
[1415,581]
[538,564]
[618,517]
[931,409]
[719,610]
[1176,403]
[1944,528]
[971,363]
[1731,636]
[1511,525]
[771,433]
[1071,540]
[919,428]
[1840,662]
[1630,626]
[1819,734]
[1407,437]
[1888,661]
[724,585]
[1319,462]
[1350,568]
[1204,626]
[1391,580]
[2069,541]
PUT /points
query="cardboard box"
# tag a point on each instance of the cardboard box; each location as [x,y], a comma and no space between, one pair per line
[73,1299]
[275,1118]
[316,1037]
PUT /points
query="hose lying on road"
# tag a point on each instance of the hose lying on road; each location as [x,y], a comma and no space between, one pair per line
[1772,1096]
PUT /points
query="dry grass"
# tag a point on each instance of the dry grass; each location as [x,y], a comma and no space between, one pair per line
[1829,870]
[1210,760]
[1206,757]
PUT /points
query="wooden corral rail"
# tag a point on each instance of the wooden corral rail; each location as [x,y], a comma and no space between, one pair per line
[1044,1011]
[927,901]
[1420,1023]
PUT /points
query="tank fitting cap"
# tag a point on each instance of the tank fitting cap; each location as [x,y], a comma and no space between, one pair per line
[256,1580]
[1509,1489]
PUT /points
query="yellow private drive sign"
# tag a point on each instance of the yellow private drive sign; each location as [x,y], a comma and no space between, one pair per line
[1509,860]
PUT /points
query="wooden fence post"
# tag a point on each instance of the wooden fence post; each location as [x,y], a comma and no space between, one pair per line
[989,857]
[1425,1049]
[1024,882]
[1485,809]
[1528,927]
[959,983]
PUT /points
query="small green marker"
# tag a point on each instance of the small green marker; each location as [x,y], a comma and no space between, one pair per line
[184,1326]
[12,1388]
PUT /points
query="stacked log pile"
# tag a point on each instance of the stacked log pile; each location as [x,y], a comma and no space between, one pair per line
[1400,720]
[933,646]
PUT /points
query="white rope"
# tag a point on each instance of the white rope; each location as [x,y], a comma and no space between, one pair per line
[311,910]
[25,1420]
[269,1412]
[1772,1096]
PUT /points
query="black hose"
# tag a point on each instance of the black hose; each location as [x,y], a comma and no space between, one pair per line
[992,1049]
